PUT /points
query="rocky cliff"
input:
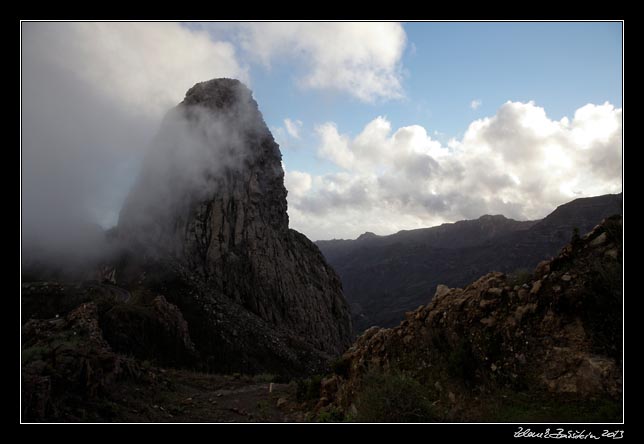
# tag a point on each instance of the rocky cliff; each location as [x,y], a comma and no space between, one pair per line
[548,348]
[209,209]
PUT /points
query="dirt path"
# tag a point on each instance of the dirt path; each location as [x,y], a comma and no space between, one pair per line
[183,396]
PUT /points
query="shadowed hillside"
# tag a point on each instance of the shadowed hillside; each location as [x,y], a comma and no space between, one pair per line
[384,276]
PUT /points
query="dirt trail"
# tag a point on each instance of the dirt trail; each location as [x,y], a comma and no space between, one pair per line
[183,396]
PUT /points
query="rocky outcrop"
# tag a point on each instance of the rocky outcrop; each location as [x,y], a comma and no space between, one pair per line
[48,299]
[153,331]
[66,361]
[210,205]
[556,334]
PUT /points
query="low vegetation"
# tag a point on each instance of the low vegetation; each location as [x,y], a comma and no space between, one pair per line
[519,277]
[308,389]
[393,397]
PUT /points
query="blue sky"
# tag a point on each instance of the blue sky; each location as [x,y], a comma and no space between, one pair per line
[382,126]
[560,66]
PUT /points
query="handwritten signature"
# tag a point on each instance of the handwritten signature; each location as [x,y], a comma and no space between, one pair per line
[568,434]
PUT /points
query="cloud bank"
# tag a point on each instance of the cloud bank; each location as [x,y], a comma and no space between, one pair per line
[519,163]
[93,95]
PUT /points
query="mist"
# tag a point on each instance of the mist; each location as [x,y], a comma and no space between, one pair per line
[192,160]
[91,104]
[79,152]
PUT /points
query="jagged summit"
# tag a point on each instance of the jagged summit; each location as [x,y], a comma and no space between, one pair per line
[492,217]
[211,199]
[367,235]
[215,142]
[218,93]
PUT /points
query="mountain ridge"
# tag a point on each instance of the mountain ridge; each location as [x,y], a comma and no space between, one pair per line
[548,349]
[384,276]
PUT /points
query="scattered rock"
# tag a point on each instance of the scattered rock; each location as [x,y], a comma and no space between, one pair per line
[495,292]
[441,290]
[522,310]
[488,322]
[542,268]
[611,253]
[488,303]
[323,402]
[599,240]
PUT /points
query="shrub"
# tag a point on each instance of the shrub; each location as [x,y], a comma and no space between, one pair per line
[392,397]
[263,409]
[575,236]
[264,378]
[308,389]
[34,353]
[341,366]
[603,311]
[461,362]
[332,414]
[519,277]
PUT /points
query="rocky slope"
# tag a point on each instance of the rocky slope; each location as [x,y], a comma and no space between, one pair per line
[72,372]
[553,341]
[209,209]
[65,362]
[385,276]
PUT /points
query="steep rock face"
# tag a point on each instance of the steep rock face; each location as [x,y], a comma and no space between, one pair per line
[211,200]
[556,336]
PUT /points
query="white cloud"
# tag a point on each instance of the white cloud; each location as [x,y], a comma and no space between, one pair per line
[360,59]
[334,146]
[297,183]
[474,104]
[518,163]
[293,127]
[92,98]
[146,67]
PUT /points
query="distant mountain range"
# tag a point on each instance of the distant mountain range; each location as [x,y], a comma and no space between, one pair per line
[385,276]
